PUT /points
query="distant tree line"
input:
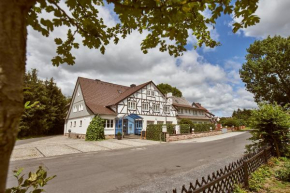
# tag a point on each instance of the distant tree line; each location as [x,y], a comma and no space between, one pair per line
[46,114]
[239,118]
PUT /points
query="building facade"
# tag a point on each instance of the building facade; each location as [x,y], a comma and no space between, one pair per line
[125,109]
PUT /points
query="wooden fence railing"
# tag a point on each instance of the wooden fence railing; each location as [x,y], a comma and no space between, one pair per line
[235,173]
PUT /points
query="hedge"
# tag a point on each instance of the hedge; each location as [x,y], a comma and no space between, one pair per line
[170,128]
[184,128]
[153,132]
[203,127]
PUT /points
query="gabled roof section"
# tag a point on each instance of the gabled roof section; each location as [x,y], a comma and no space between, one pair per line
[180,102]
[98,94]
[198,105]
[127,93]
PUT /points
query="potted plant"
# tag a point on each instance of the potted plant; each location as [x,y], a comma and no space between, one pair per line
[119,136]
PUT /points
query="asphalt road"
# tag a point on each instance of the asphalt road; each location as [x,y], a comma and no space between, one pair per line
[156,168]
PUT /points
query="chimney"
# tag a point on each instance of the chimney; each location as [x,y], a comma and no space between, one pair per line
[97,79]
[169,94]
[132,85]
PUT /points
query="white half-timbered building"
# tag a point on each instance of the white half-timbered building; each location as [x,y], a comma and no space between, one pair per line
[125,109]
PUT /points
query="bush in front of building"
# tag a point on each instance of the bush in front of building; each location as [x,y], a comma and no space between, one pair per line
[170,129]
[96,130]
[184,128]
[153,132]
[186,121]
[203,127]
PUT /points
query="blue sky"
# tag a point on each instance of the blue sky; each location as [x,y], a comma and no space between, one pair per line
[208,76]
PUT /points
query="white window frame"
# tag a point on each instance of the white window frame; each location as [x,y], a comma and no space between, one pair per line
[132,105]
[166,109]
[150,93]
[75,109]
[145,105]
[156,107]
[109,123]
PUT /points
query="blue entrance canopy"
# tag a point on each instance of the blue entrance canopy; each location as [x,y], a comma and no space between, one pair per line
[134,116]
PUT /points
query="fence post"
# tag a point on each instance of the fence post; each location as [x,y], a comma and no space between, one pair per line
[265,155]
[246,174]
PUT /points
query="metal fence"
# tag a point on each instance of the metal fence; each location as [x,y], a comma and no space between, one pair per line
[235,173]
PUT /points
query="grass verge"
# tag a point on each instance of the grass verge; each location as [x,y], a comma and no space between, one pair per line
[270,178]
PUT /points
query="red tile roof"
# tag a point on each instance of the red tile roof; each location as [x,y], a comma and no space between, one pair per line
[127,93]
[98,95]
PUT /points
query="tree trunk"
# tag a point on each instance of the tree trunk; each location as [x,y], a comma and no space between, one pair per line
[277,147]
[13,34]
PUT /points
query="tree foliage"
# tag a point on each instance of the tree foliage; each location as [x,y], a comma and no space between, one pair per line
[242,117]
[48,109]
[271,125]
[166,88]
[34,181]
[267,70]
[168,22]
[96,129]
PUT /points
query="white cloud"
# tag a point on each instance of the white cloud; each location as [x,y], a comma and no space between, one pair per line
[274,19]
[200,81]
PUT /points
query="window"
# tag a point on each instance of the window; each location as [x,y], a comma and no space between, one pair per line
[138,124]
[156,107]
[150,122]
[79,93]
[108,123]
[185,110]
[168,122]
[132,105]
[81,123]
[81,107]
[150,92]
[71,124]
[166,109]
[180,111]
[75,123]
[160,122]
[145,106]
[75,109]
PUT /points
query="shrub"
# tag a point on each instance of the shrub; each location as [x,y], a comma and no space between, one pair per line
[153,132]
[95,130]
[203,127]
[170,128]
[186,121]
[258,178]
[284,173]
[270,124]
[35,181]
[185,128]
[238,189]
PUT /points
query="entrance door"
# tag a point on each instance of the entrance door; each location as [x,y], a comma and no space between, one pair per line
[125,126]
[138,127]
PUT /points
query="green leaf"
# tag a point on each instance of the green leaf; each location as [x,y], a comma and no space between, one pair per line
[58,41]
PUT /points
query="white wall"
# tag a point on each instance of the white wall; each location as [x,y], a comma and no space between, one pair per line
[85,123]
[156,119]
[77,128]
